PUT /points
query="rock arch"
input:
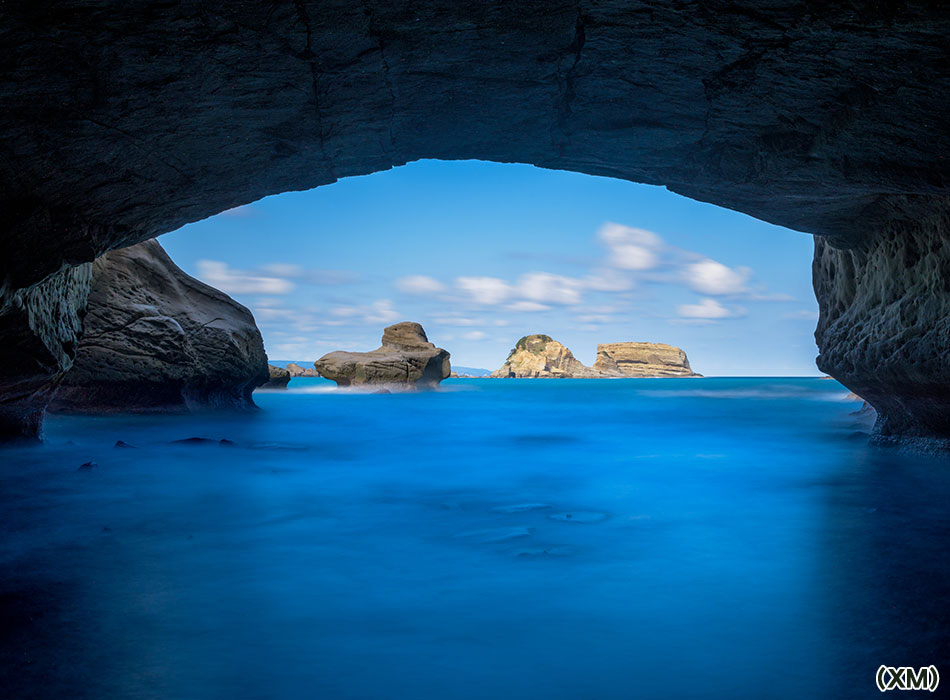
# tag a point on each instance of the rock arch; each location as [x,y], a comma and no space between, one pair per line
[122,121]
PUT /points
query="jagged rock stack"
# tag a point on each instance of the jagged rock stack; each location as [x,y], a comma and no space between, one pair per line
[406,358]
[540,356]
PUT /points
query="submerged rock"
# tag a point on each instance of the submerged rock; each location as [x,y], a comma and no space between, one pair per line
[279,378]
[123,444]
[156,339]
[405,357]
[643,360]
[87,466]
[539,356]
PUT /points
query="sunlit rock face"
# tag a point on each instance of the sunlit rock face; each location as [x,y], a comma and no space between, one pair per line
[643,360]
[156,339]
[539,356]
[884,329]
[125,120]
[405,359]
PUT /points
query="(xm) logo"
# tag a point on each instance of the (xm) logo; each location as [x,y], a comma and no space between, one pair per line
[907,678]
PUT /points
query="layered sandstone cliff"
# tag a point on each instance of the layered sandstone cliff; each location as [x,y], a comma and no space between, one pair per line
[406,358]
[643,360]
[156,339]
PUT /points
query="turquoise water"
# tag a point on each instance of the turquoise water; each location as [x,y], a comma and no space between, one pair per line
[715,538]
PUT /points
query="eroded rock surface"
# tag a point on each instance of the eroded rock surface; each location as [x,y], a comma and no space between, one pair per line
[39,333]
[156,339]
[884,326]
[406,357]
[643,360]
[540,356]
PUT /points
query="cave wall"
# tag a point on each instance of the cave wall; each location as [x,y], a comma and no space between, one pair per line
[884,325]
[122,121]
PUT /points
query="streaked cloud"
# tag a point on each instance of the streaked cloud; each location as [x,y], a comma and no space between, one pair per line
[419,284]
[220,276]
[706,309]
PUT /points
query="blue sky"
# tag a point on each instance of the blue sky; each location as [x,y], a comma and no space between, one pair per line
[484,253]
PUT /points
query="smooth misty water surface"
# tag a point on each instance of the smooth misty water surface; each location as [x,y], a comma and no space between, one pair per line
[716,538]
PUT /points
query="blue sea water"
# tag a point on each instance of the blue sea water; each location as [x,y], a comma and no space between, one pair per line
[714,538]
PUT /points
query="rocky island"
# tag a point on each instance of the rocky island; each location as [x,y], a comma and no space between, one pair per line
[540,356]
[643,360]
[406,358]
[279,378]
[295,370]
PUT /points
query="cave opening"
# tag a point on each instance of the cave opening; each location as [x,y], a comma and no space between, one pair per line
[490,252]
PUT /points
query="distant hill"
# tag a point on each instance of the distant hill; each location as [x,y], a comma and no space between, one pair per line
[472,371]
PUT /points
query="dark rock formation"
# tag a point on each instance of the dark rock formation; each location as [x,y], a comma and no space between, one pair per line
[643,360]
[406,357]
[157,339]
[122,121]
[884,325]
[539,356]
[39,333]
[278,378]
[296,370]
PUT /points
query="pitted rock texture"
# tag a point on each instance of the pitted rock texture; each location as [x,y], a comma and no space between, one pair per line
[406,358]
[539,356]
[39,333]
[278,378]
[156,339]
[125,120]
[643,360]
[884,325]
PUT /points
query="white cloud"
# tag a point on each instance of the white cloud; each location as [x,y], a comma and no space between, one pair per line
[631,248]
[710,277]
[475,335]
[419,284]
[219,275]
[706,309]
[546,288]
[484,290]
[527,306]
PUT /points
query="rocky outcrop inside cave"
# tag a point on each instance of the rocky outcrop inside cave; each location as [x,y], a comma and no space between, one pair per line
[643,360]
[540,356]
[39,333]
[156,339]
[277,378]
[123,121]
[405,359]
[296,370]
[884,324]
